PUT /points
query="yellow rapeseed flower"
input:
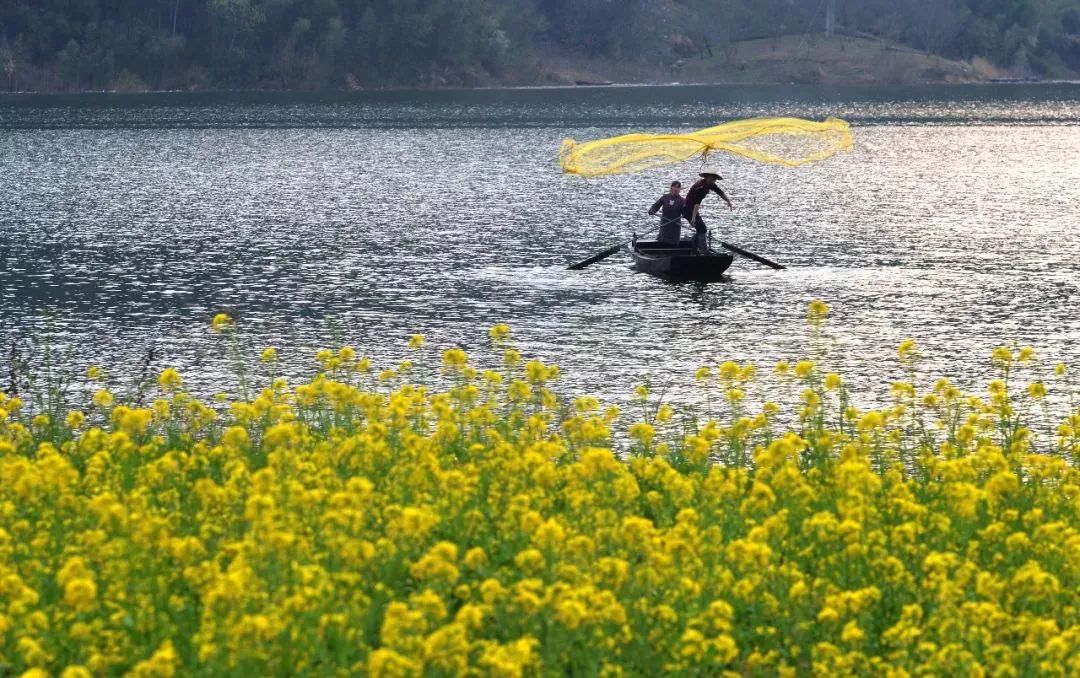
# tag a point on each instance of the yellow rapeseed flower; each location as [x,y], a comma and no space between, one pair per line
[728,370]
[455,358]
[816,311]
[536,372]
[664,413]
[75,419]
[643,433]
[1002,356]
[871,421]
[586,404]
[518,391]
[852,634]
[81,594]
[161,664]
[475,558]
[103,398]
[170,379]
[827,615]
[221,322]
[907,351]
[804,368]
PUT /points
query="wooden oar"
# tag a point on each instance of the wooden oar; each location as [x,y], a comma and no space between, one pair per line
[751,255]
[605,254]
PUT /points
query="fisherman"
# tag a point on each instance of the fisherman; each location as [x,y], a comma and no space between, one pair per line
[692,206]
[670,215]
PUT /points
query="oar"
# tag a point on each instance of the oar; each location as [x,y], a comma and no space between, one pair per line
[750,255]
[605,254]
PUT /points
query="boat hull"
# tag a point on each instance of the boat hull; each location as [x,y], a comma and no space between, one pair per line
[679,263]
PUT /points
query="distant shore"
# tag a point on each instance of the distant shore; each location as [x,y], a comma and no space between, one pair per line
[511,88]
[802,60]
[788,60]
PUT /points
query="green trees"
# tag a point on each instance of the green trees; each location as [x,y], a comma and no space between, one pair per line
[1004,31]
[99,44]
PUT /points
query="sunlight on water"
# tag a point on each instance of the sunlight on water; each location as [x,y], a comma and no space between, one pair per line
[126,223]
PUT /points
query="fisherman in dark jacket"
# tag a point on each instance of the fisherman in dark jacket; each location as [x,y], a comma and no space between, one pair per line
[671,206]
[692,207]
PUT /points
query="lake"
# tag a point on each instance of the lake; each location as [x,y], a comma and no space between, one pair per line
[126,222]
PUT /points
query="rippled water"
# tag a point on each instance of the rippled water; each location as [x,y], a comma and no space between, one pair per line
[125,222]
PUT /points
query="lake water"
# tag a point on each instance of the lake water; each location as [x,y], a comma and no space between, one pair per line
[127,221]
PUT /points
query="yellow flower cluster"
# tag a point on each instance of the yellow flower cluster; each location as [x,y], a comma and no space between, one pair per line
[481,526]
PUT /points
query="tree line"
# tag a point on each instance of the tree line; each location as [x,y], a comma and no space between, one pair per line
[171,44]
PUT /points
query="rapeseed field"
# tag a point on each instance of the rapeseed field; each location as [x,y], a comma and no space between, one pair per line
[449,520]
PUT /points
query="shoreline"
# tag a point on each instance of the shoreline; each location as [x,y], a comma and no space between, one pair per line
[802,60]
[514,88]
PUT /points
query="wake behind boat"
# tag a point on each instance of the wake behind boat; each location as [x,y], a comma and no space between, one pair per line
[674,262]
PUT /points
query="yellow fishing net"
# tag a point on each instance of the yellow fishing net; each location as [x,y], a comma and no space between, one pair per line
[778,141]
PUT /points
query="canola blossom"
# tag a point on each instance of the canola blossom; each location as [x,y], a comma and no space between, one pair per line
[777,141]
[478,524]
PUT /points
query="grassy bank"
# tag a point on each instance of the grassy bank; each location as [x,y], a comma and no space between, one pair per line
[443,517]
[841,60]
[802,59]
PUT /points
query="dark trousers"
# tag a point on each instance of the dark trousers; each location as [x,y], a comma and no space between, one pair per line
[670,230]
[700,230]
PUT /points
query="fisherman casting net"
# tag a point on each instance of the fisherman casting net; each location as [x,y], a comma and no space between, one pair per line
[777,141]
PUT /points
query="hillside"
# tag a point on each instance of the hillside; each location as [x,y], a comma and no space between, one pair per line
[789,59]
[131,45]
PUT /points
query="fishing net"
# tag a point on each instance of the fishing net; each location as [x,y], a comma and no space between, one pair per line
[777,141]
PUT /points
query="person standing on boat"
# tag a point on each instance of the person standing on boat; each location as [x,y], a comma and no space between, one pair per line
[692,208]
[670,206]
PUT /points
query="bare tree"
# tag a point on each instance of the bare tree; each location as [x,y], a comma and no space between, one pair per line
[935,23]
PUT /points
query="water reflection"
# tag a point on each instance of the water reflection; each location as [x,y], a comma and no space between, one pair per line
[125,224]
[579,108]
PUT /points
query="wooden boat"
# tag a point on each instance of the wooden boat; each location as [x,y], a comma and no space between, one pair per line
[678,263]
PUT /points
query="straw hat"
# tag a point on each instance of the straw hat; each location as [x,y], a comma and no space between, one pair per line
[710,173]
